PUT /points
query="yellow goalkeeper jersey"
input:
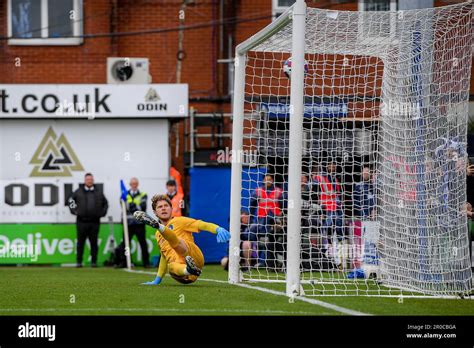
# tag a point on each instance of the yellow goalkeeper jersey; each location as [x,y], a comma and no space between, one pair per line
[183,227]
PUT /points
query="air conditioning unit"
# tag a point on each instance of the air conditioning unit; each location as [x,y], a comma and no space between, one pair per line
[130,71]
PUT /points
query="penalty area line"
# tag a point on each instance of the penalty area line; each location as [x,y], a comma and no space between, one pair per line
[320,303]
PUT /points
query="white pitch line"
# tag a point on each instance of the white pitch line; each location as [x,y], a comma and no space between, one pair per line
[279,293]
[305,299]
[178,310]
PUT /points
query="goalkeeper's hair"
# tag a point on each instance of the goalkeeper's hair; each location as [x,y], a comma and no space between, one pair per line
[158,198]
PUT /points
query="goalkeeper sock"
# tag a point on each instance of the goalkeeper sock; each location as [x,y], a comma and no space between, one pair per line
[178,268]
[169,236]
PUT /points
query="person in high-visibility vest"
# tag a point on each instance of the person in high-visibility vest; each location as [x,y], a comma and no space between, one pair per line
[266,206]
[329,190]
[137,200]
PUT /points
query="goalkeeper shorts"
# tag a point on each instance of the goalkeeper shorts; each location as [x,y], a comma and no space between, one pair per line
[195,253]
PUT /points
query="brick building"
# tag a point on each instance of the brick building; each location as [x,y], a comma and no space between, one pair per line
[143,28]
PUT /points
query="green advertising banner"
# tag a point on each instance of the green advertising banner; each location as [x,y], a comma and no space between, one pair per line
[56,244]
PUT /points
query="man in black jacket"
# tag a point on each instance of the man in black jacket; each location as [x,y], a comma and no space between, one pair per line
[89,204]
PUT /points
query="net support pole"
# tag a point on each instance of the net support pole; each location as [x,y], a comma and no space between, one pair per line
[236,181]
[295,150]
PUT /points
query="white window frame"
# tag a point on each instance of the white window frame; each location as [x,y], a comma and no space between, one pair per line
[374,40]
[393,5]
[45,40]
[278,10]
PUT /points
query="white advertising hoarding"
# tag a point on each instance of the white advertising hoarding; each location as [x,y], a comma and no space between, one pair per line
[42,161]
[93,101]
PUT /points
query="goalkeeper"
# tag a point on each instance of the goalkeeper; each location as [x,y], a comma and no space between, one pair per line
[180,256]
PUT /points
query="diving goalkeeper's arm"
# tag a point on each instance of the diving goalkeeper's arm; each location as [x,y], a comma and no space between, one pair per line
[222,234]
[162,269]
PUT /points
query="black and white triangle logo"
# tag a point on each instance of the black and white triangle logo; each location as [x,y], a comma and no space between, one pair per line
[54,157]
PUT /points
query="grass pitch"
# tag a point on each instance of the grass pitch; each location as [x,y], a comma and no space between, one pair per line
[105,291]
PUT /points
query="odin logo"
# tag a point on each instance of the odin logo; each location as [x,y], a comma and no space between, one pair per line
[37,331]
[152,103]
[152,107]
[17,194]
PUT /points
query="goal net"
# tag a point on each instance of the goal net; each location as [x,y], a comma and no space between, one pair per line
[349,153]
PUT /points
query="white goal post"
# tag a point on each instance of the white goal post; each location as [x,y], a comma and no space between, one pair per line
[349,153]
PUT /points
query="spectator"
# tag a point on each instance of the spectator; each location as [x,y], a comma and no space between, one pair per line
[364,209]
[136,200]
[310,209]
[470,198]
[470,216]
[304,186]
[225,262]
[364,196]
[176,176]
[470,181]
[267,203]
[248,245]
[175,197]
[329,189]
[249,241]
[89,204]
[310,222]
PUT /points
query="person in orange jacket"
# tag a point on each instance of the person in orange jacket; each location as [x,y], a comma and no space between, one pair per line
[176,198]
[330,199]
[176,176]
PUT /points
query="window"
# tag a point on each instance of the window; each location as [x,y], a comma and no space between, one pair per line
[44,22]
[377,5]
[280,6]
[372,31]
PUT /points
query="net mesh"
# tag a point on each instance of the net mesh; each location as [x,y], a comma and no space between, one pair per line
[384,153]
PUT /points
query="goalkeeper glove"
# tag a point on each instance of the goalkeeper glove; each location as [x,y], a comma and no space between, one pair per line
[222,235]
[154,282]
